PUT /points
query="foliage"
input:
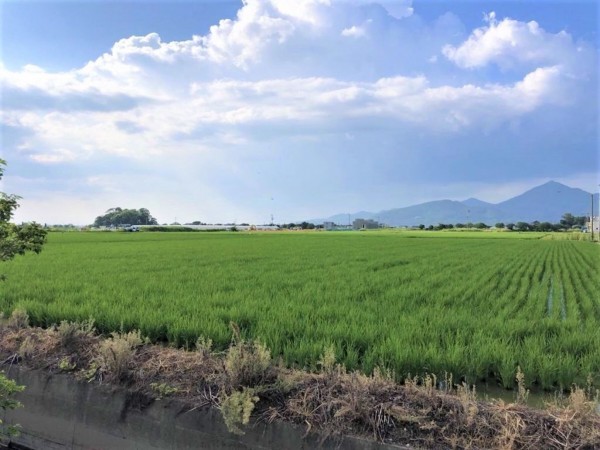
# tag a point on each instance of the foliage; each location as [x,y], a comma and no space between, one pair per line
[327,360]
[247,363]
[236,409]
[18,319]
[569,221]
[16,239]
[66,365]
[116,353]
[8,388]
[474,303]
[72,333]
[118,216]
[163,390]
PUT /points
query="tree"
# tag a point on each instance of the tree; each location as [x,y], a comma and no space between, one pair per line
[546,226]
[522,226]
[16,239]
[119,216]
[567,220]
[499,225]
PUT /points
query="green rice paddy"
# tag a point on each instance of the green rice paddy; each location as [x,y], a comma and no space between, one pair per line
[473,304]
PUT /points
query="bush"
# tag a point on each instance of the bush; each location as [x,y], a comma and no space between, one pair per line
[71,333]
[116,353]
[247,364]
[8,388]
[18,320]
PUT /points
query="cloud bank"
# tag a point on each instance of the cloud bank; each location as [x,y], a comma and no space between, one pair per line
[294,93]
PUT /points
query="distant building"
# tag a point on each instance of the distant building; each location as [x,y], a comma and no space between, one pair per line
[329,226]
[588,225]
[365,224]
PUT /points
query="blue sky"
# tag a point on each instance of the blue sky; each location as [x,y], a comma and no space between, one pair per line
[222,111]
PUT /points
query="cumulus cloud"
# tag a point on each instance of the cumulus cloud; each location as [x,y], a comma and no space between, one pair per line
[510,43]
[282,71]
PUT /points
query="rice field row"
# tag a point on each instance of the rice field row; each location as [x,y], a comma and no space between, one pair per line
[411,302]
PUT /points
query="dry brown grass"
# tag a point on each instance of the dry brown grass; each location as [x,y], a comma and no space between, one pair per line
[245,380]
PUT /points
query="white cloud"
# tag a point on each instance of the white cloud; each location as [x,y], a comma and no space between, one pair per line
[354,31]
[513,44]
[283,74]
[281,103]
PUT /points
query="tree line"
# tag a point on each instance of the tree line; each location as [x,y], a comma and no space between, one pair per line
[567,222]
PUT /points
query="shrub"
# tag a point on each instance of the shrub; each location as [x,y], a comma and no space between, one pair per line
[247,363]
[116,352]
[163,390]
[18,320]
[8,388]
[72,332]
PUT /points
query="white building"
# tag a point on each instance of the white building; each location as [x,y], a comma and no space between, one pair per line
[596,221]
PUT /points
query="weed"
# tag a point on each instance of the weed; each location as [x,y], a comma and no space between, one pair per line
[163,390]
[116,352]
[236,409]
[247,363]
[522,392]
[19,319]
[327,360]
[66,365]
[27,348]
[204,345]
[71,333]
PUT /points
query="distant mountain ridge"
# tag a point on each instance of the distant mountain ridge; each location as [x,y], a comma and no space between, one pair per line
[544,203]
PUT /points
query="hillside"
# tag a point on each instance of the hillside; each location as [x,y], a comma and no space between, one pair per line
[547,202]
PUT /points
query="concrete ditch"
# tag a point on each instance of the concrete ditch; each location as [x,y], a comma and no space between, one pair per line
[62,413]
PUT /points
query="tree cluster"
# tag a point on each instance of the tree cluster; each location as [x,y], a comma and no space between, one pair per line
[568,222]
[115,217]
[303,226]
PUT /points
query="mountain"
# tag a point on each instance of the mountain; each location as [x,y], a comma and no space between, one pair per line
[475,202]
[547,203]
[544,203]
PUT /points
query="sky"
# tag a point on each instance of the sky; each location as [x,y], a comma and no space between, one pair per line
[223,111]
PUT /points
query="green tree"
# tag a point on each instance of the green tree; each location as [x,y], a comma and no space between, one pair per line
[8,388]
[500,225]
[119,216]
[567,221]
[522,226]
[16,239]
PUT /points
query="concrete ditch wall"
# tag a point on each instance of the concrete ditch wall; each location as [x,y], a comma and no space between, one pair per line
[62,413]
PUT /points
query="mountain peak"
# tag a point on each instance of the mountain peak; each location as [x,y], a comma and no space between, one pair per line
[546,202]
[473,202]
[552,184]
